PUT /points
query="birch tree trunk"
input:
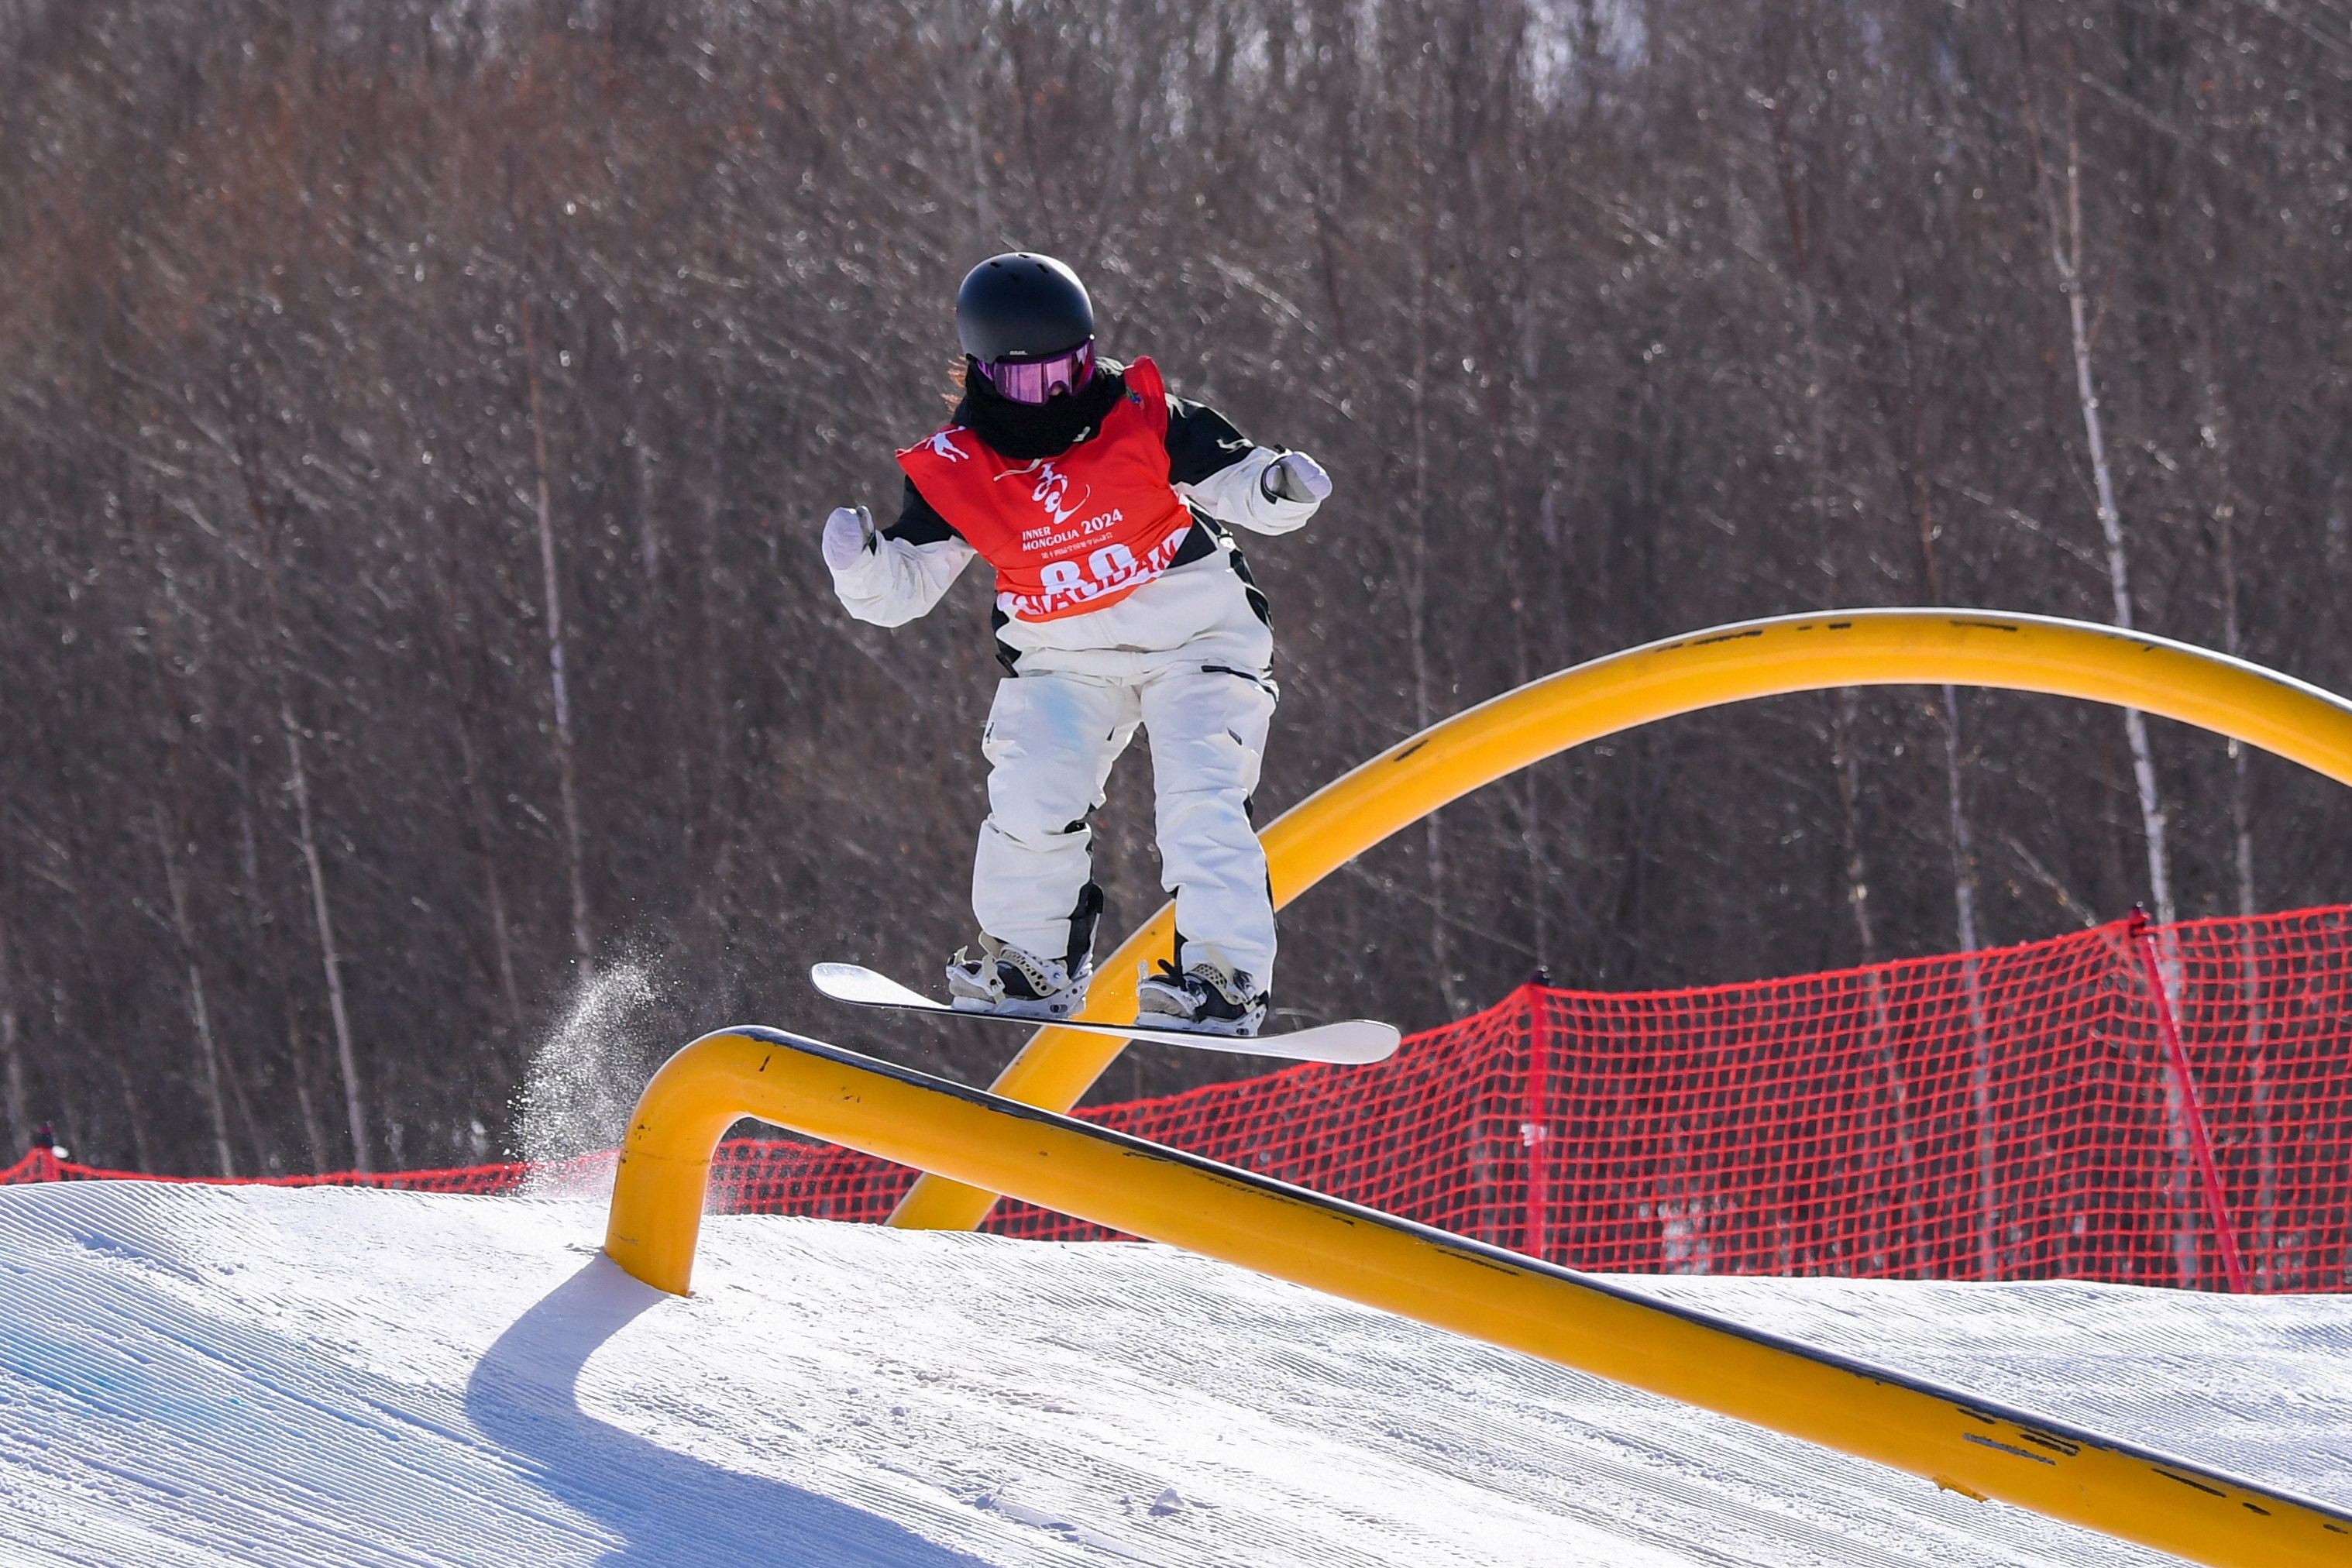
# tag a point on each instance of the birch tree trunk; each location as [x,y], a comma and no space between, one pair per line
[1844,704]
[1416,598]
[134,1107]
[2249,971]
[298,778]
[11,1055]
[480,811]
[2151,804]
[298,783]
[257,917]
[2063,218]
[972,35]
[2064,221]
[478,806]
[1962,839]
[1845,759]
[1499,322]
[1511,438]
[710,824]
[584,942]
[1964,901]
[173,840]
[199,1012]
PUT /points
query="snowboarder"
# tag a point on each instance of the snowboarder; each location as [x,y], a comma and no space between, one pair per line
[1100,499]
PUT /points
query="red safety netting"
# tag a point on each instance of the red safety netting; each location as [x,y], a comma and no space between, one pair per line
[2018,1113]
[43,1165]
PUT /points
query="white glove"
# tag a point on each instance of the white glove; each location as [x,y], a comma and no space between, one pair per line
[848,534]
[1296,477]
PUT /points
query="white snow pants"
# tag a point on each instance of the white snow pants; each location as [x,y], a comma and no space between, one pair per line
[1051,739]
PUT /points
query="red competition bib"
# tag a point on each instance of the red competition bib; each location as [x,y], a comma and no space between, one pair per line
[1070,533]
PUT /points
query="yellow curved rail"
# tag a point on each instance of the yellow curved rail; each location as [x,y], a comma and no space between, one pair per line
[1683,675]
[1969,1444]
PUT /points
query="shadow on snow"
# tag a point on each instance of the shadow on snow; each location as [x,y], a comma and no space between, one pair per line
[669,1509]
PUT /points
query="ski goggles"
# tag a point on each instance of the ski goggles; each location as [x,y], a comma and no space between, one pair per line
[1034,380]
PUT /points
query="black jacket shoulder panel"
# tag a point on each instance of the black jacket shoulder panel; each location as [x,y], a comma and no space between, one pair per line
[1201,441]
[919,522]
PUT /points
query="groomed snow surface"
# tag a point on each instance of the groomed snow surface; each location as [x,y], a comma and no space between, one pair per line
[212,1375]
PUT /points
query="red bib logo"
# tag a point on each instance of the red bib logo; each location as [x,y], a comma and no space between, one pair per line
[1070,533]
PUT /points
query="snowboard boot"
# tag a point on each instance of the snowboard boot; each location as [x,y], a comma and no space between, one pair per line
[1010,980]
[1207,999]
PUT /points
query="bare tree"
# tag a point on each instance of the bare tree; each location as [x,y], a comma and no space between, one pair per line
[298,783]
[12,1054]
[2061,215]
[584,944]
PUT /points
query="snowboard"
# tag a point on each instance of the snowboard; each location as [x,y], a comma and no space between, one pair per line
[1352,1043]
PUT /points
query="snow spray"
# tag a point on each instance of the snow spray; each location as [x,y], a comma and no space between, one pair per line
[583,1082]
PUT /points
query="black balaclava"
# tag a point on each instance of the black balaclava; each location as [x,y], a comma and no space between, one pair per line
[1028,431]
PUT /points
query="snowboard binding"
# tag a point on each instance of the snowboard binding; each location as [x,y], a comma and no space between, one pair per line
[1015,981]
[1206,999]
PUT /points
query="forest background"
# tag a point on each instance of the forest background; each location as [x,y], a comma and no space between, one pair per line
[415,418]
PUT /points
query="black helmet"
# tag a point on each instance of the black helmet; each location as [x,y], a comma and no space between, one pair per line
[1022,306]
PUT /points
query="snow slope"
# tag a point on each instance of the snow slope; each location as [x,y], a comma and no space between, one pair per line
[251,1376]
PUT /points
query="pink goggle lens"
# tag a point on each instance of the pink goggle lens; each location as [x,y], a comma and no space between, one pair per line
[1034,380]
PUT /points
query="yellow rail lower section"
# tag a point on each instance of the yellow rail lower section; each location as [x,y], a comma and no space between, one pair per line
[1969,1444]
[1706,669]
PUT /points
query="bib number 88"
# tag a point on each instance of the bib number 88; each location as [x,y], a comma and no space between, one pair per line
[1108,564]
